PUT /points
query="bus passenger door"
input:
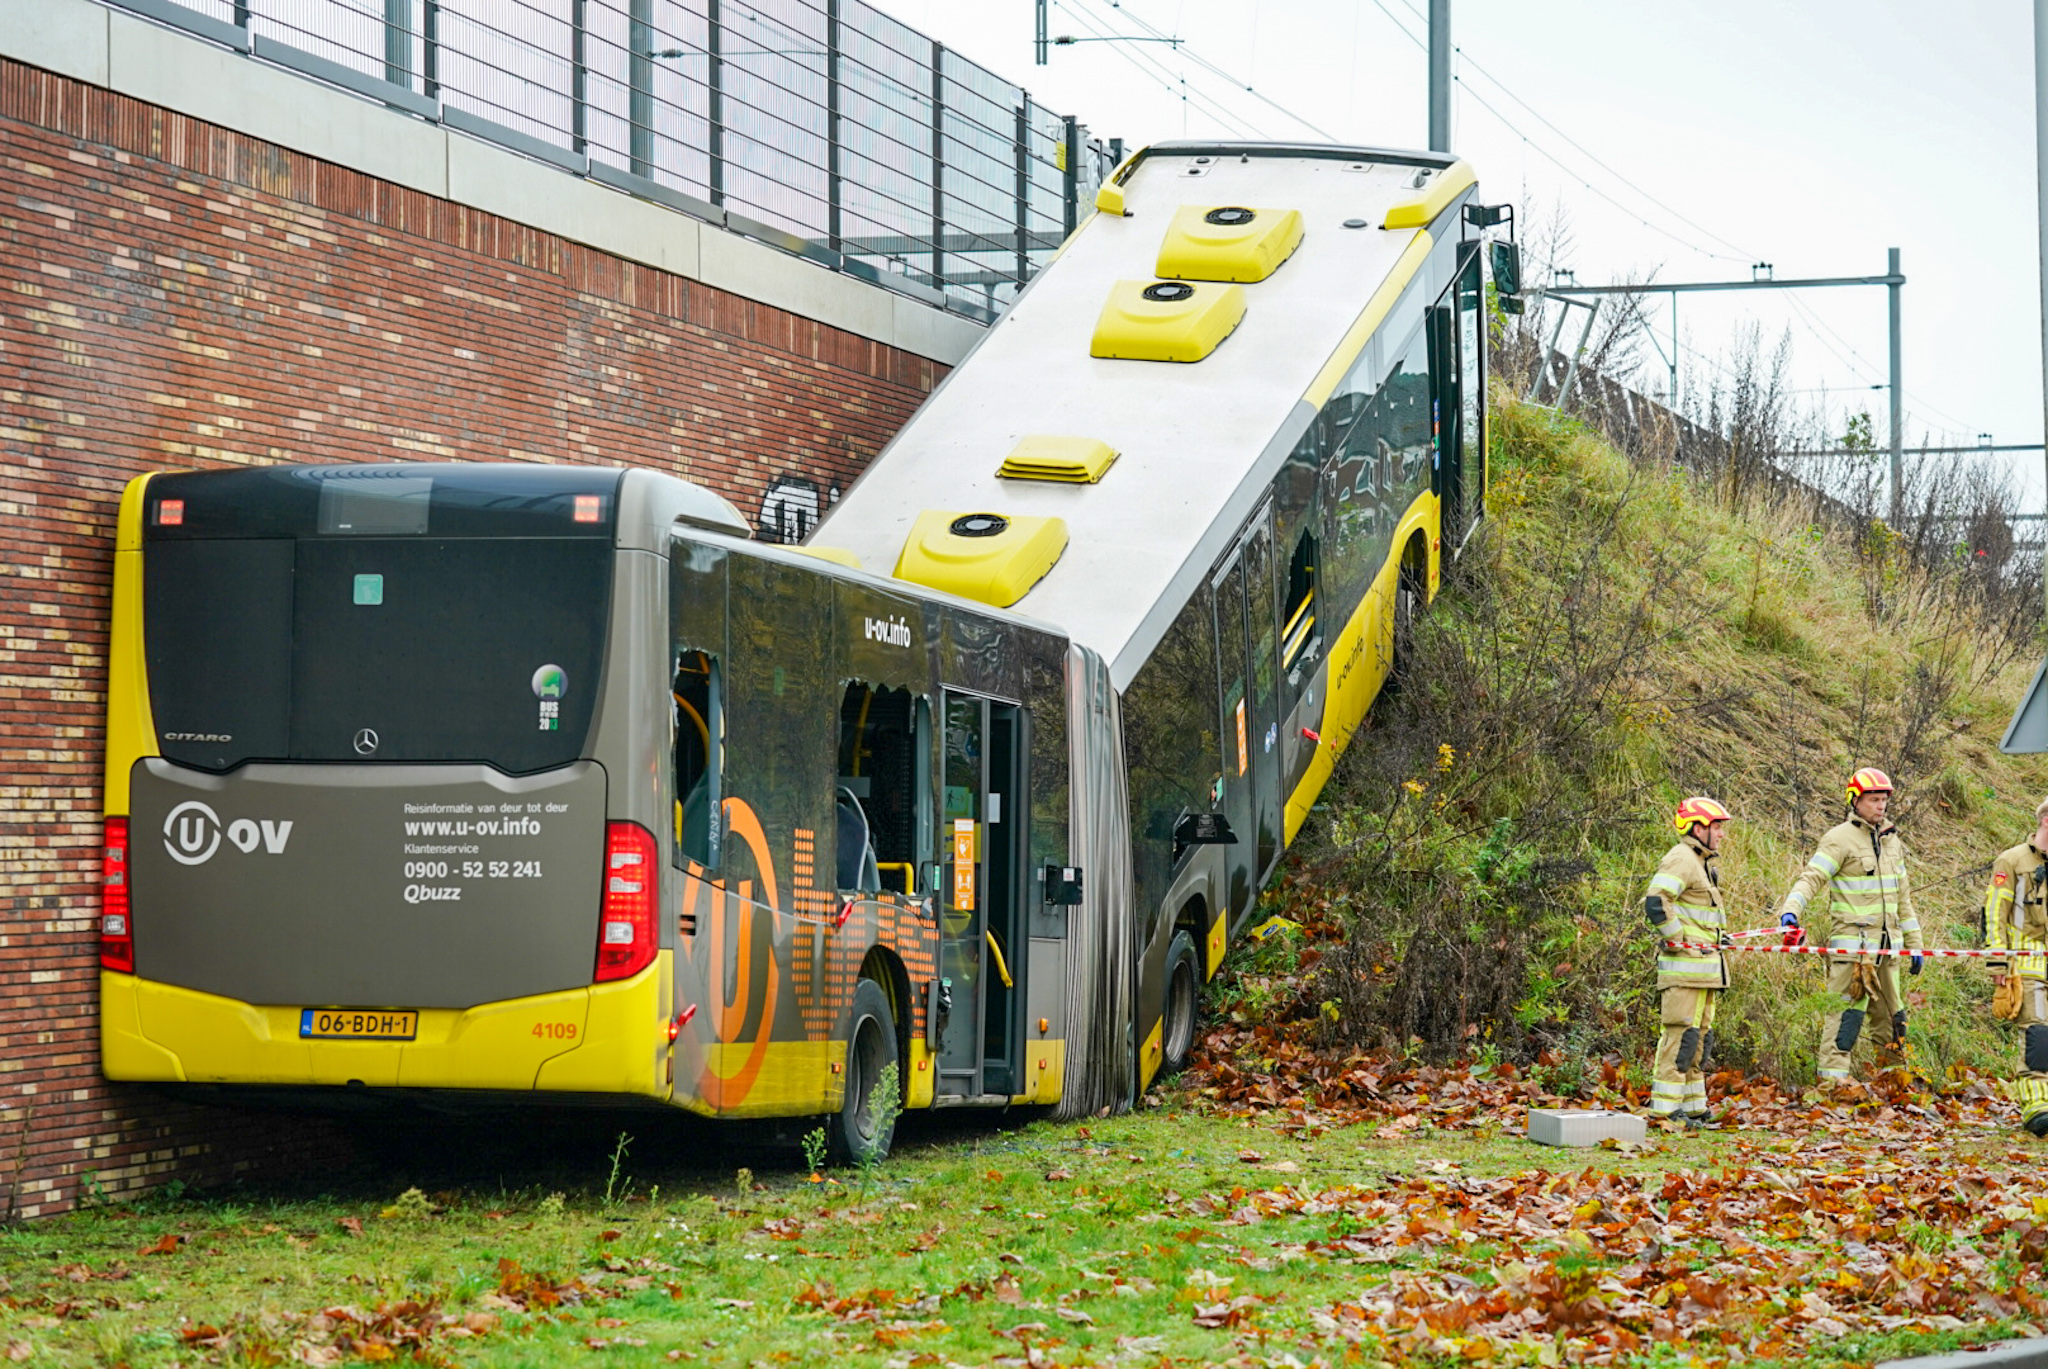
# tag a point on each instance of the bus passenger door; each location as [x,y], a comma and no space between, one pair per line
[1471,399]
[1246,636]
[981,826]
[1457,363]
[1447,450]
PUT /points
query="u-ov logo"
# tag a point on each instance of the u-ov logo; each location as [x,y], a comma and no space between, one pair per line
[192,833]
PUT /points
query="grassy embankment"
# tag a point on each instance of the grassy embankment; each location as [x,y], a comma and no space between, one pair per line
[1624,636]
[1294,1200]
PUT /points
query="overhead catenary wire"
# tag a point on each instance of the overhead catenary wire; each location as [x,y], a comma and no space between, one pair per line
[1509,124]
[1918,400]
[1813,323]
[1830,340]
[1744,254]
[1721,368]
[1161,75]
[1174,83]
[1554,159]
[1182,46]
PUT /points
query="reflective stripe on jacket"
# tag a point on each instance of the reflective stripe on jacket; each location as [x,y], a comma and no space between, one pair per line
[1869,901]
[2016,911]
[1693,912]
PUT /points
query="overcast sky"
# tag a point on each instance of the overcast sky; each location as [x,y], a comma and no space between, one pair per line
[1811,136]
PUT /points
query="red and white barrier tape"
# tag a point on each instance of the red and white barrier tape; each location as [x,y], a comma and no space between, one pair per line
[1931,953]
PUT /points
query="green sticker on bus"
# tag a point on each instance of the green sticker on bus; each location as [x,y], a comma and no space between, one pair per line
[369,589]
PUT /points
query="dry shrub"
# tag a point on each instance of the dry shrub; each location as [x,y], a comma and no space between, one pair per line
[1466,822]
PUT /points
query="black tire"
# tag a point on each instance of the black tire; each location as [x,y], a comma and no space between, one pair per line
[1183,1001]
[861,1130]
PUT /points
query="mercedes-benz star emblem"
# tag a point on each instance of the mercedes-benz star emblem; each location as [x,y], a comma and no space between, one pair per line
[366,742]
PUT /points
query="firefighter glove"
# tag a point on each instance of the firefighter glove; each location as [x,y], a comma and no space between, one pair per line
[1788,919]
[1917,961]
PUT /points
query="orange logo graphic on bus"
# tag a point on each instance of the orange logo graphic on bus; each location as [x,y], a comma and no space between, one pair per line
[792,948]
[738,931]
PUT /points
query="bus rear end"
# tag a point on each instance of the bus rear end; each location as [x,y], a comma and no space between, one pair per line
[360,825]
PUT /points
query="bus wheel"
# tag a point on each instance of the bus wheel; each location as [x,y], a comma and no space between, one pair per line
[1183,993]
[862,1128]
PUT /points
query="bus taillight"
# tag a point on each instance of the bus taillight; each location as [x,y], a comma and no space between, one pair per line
[625,937]
[117,935]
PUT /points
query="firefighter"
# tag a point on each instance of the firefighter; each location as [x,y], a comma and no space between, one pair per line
[2016,920]
[1861,863]
[1684,906]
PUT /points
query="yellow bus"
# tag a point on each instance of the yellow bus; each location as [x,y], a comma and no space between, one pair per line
[500,781]
[1235,427]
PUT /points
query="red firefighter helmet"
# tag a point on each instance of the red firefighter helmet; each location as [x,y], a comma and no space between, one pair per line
[1699,808]
[1868,780]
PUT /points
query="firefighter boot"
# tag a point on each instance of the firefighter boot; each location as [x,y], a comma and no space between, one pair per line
[1696,1114]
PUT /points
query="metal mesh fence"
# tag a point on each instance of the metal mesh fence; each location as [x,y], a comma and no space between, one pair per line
[824,126]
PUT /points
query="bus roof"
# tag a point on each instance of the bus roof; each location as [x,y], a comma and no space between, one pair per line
[1189,436]
[635,507]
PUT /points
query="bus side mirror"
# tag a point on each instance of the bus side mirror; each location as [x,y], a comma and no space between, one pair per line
[1063,886]
[1507,268]
[1203,829]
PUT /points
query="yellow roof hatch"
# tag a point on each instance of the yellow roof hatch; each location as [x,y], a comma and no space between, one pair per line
[1072,460]
[1228,242]
[993,557]
[1166,320]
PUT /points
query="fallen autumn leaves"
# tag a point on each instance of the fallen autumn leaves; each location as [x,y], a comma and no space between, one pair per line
[1858,1217]
[1283,1208]
[415,1330]
[1261,1070]
[1594,1265]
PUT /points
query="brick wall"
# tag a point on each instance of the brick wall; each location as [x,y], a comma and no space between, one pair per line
[175,295]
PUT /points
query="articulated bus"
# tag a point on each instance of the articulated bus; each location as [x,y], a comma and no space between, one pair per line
[1230,433]
[494,781]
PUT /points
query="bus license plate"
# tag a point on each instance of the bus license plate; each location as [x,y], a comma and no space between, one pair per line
[356,1024]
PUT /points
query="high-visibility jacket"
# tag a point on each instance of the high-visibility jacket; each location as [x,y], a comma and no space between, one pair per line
[1690,888]
[1863,870]
[2016,911]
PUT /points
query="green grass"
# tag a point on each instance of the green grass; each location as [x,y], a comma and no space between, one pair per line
[1036,1244]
